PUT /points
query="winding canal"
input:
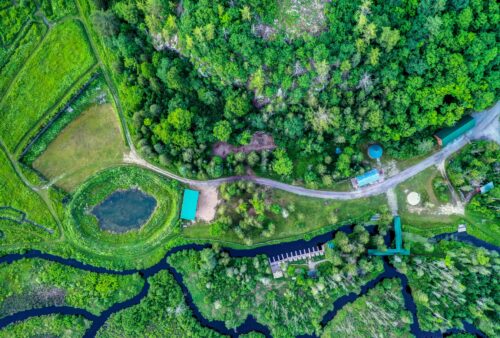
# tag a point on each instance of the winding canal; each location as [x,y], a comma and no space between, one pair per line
[250,324]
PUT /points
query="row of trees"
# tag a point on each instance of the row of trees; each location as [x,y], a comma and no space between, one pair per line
[392,72]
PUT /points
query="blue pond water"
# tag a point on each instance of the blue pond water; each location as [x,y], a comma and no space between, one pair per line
[124,210]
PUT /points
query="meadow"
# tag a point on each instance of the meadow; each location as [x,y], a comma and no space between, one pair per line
[15,61]
[15,194]
[89,144]
[61,60]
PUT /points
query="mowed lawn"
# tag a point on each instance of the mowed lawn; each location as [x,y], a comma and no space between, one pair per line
[61,60]
[92,142]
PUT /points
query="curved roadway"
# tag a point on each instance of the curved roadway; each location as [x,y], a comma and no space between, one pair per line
[484,121]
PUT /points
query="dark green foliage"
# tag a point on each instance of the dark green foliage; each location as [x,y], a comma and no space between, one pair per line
[48,326]
[394,72]
[474,166]
[36,283]
[229,289]
[455,282]
[163,313]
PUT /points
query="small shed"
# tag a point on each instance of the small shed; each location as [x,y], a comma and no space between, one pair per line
[447,135]
[189,204]
[487,187]
[367,178]
[375,151]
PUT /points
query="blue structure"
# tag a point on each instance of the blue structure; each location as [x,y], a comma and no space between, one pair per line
[399,242]
[367,178]
[487,187]
[375,151]
[189,204]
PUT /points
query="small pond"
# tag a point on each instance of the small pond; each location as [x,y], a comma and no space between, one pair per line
[124,210]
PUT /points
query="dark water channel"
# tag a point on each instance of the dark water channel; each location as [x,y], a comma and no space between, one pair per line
[250,324]
[124,210]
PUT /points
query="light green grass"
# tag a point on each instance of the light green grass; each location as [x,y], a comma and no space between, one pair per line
[20,54]
[60,61]
[12,20]
[92,142]
[429,223]
[14,193]
[312,217]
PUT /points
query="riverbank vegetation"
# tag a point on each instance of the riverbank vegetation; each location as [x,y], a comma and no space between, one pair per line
[61,60]
[162,313]
[48,326]
[195,73]
[250,214]
[379,313]
[230,289]
[37,283]
[452,282]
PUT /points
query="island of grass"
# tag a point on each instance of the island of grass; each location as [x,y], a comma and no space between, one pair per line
[137,247]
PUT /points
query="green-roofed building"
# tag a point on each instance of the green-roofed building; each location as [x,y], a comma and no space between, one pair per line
[189,204]
[447,135]
[399,250]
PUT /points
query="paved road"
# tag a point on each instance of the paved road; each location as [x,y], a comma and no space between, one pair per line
[484,121]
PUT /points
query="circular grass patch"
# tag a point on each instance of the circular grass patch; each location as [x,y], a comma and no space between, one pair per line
[131,248]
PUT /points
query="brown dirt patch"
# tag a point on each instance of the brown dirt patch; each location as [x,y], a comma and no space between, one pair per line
[260,141]
[207,203]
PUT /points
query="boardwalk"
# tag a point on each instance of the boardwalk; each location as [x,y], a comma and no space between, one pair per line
[308,253]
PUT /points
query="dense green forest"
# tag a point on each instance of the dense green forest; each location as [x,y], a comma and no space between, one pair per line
[194,73]
[48,326]
[380,313]
[475,166]
[455,282]
[230,289]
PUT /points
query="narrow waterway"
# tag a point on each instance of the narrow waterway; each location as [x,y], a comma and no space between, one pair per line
[250,324]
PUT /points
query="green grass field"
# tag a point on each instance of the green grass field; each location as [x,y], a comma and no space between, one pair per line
[12,20]
[90,143]
[61,60]
[430,221]
[20,54]
[312,217]
[14,193]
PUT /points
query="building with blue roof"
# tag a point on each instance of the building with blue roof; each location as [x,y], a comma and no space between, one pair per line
[367,178]
[189,204]
[375,151]
[486,188]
